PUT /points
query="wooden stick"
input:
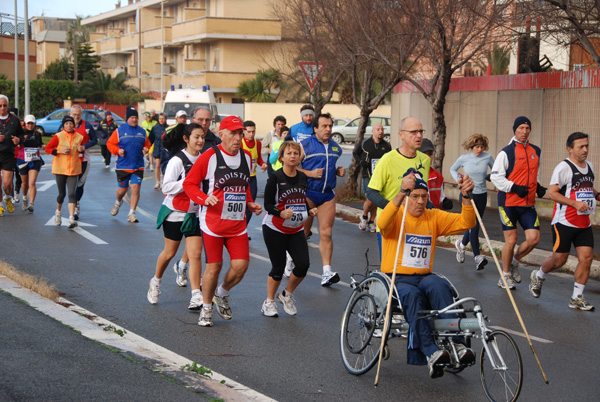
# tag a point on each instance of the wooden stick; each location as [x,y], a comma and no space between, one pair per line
[389,303]
[510,296]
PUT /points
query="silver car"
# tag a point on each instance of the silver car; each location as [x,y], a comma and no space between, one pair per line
[348,131]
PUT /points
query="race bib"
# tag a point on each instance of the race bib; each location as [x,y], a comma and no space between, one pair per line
[586,196]
[373,163]
[32,154]
[234,207]
[417,251]
[299,217]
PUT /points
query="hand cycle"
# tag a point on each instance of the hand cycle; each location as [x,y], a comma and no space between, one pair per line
[361,334]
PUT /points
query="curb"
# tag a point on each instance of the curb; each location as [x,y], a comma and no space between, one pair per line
[535,257]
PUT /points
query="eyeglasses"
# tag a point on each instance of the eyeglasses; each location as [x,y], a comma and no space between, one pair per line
[414,132]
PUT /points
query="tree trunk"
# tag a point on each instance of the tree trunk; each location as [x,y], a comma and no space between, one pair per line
[439,121]
[354,168]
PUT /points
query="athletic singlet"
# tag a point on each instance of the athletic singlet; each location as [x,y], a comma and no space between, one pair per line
[290,196]
[576,184]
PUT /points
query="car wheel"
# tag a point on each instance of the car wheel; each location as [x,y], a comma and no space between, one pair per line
[337,137]
[40,130]
[386,138]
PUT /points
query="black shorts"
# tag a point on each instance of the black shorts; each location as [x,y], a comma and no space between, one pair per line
[172,231]
[7,161]
[526,216]
[563,236]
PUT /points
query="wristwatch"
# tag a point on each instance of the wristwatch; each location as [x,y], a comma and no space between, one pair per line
[403,191]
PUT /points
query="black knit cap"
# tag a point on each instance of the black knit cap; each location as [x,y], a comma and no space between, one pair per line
[521,120]
[68,118]
[131,112]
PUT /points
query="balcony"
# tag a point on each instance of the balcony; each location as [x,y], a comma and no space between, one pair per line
[207,29]
[97,36]
[129,42]
[168,21]
[194,65]
[108,46]
[153,37]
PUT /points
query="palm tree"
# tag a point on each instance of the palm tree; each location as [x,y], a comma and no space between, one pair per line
[97,81]
[76,35]
[259,88]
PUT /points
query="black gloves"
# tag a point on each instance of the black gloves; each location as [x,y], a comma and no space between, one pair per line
[540,190]
[447,204]
[488,177]
[521,191]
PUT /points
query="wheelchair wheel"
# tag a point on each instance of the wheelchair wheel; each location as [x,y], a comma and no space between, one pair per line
[362,333]
[502,370]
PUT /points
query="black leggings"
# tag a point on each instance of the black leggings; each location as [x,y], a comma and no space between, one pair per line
[295,244]
[472,236]
[63,182]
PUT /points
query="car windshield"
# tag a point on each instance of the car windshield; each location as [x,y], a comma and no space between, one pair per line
[172,108]
[58,115]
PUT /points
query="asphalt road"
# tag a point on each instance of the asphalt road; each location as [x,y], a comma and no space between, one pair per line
[286,358]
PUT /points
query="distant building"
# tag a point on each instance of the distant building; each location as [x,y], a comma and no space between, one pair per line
[218,43]
[7,49]
[50,35]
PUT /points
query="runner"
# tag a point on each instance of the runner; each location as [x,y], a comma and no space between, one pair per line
[417,287]
[253,146]
[105,129]
[29,162]
[572,190]
[437,198]
[130,143]
[367,155]
[319,164]
[305,129]
[158,130]
[475,164]
[271,137]
[11,133]
[178,216]
[65,146]
[225,169]
[147,125]
[283,224]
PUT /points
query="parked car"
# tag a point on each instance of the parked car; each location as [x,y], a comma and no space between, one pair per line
[50,124]
[348,131]
[340,121]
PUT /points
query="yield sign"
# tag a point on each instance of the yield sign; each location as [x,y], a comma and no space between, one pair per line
[312,71]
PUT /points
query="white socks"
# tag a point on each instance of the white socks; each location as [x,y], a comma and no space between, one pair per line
[577,290]
[221,292]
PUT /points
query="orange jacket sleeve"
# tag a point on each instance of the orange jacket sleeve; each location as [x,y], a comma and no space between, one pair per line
[51,145]
[113,143]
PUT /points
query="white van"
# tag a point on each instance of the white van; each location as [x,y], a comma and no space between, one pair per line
[189,99]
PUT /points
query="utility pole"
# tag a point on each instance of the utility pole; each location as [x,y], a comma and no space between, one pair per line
[26,46]
[16,59]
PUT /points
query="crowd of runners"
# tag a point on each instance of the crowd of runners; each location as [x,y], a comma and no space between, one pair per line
[210,186]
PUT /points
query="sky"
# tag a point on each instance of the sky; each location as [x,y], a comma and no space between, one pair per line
[58,8]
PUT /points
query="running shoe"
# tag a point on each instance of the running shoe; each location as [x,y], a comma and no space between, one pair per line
[223,308]
[372,227]
[535,287]
[196,302]
[25,206]
[580,304]
[76,214]
[9,205]
[289,304]
[309,235]
[206,317]
[157,186]
[132,218]
[181,278]
[436,363]
[1,210]
[363,224]
[115,208]
[30,207]
[153,291]
[269,308]
[16,198]
[460,251]
[107,167]
[514,270]
[289,267]
[72,223]
[152,168]
[480,262]
[509,281]
[466,356]
[57,218]
[329,278]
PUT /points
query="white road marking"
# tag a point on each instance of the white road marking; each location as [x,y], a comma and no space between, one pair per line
[522,335]
[79,230]
[44,185]
[94,327]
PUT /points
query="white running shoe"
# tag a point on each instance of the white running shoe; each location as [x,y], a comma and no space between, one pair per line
[57,218]
[115,208]
[223,307]
[372,227]
[16,198]
[72,223]
[363,224]
[132,218]
[181,278]
[153,291]
[206,317]
[509,281]
[460,251]
[480,262]
[514,270]
[269,308]
[25,206]
[30,207]
[329,278]
[196,302]
[289,304]
[289,267]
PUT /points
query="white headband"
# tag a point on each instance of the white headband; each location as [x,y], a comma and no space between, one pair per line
[307,111]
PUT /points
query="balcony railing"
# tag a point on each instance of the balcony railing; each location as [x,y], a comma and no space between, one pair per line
[210,28]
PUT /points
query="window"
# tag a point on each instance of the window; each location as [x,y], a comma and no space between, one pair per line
[58,115]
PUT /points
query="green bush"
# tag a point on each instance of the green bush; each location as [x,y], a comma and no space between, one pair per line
[45,95]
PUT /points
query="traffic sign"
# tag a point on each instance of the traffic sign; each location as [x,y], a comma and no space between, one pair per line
[312,71]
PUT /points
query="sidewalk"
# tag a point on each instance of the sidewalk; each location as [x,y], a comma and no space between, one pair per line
[494,230]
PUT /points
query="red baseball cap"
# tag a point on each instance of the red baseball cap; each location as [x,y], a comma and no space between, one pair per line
[231,123]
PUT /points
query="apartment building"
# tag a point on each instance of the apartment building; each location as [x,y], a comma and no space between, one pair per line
[50,35]
[203,42]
